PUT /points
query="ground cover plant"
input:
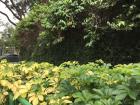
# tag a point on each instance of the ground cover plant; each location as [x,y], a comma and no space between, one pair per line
[70,83]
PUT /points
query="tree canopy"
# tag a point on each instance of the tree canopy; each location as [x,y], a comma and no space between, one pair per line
[76,23]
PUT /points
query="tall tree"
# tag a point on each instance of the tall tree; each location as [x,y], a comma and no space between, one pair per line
[67,26]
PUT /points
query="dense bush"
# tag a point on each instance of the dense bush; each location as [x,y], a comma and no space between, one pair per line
[58,30]
[95,83]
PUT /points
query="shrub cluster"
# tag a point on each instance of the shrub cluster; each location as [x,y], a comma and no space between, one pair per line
[95,83]
[58,30]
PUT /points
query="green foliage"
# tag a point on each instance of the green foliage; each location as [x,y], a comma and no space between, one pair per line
[95,83]
[74,24]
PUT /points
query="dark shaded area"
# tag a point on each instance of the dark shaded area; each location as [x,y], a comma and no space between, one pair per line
[119,47]
[27,41]
[113,47]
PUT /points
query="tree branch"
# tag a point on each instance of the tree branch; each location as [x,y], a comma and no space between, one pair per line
[5,3]
[17,9]
[7,18]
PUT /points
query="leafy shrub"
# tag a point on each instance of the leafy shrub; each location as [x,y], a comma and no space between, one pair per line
[95,83]
[59,30]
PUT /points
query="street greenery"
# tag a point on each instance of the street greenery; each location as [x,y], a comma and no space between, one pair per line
[58,30]
[70,83]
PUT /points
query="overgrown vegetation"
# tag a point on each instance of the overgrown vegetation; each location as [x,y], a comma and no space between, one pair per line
[58,30]
[76,30]
[70,83]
